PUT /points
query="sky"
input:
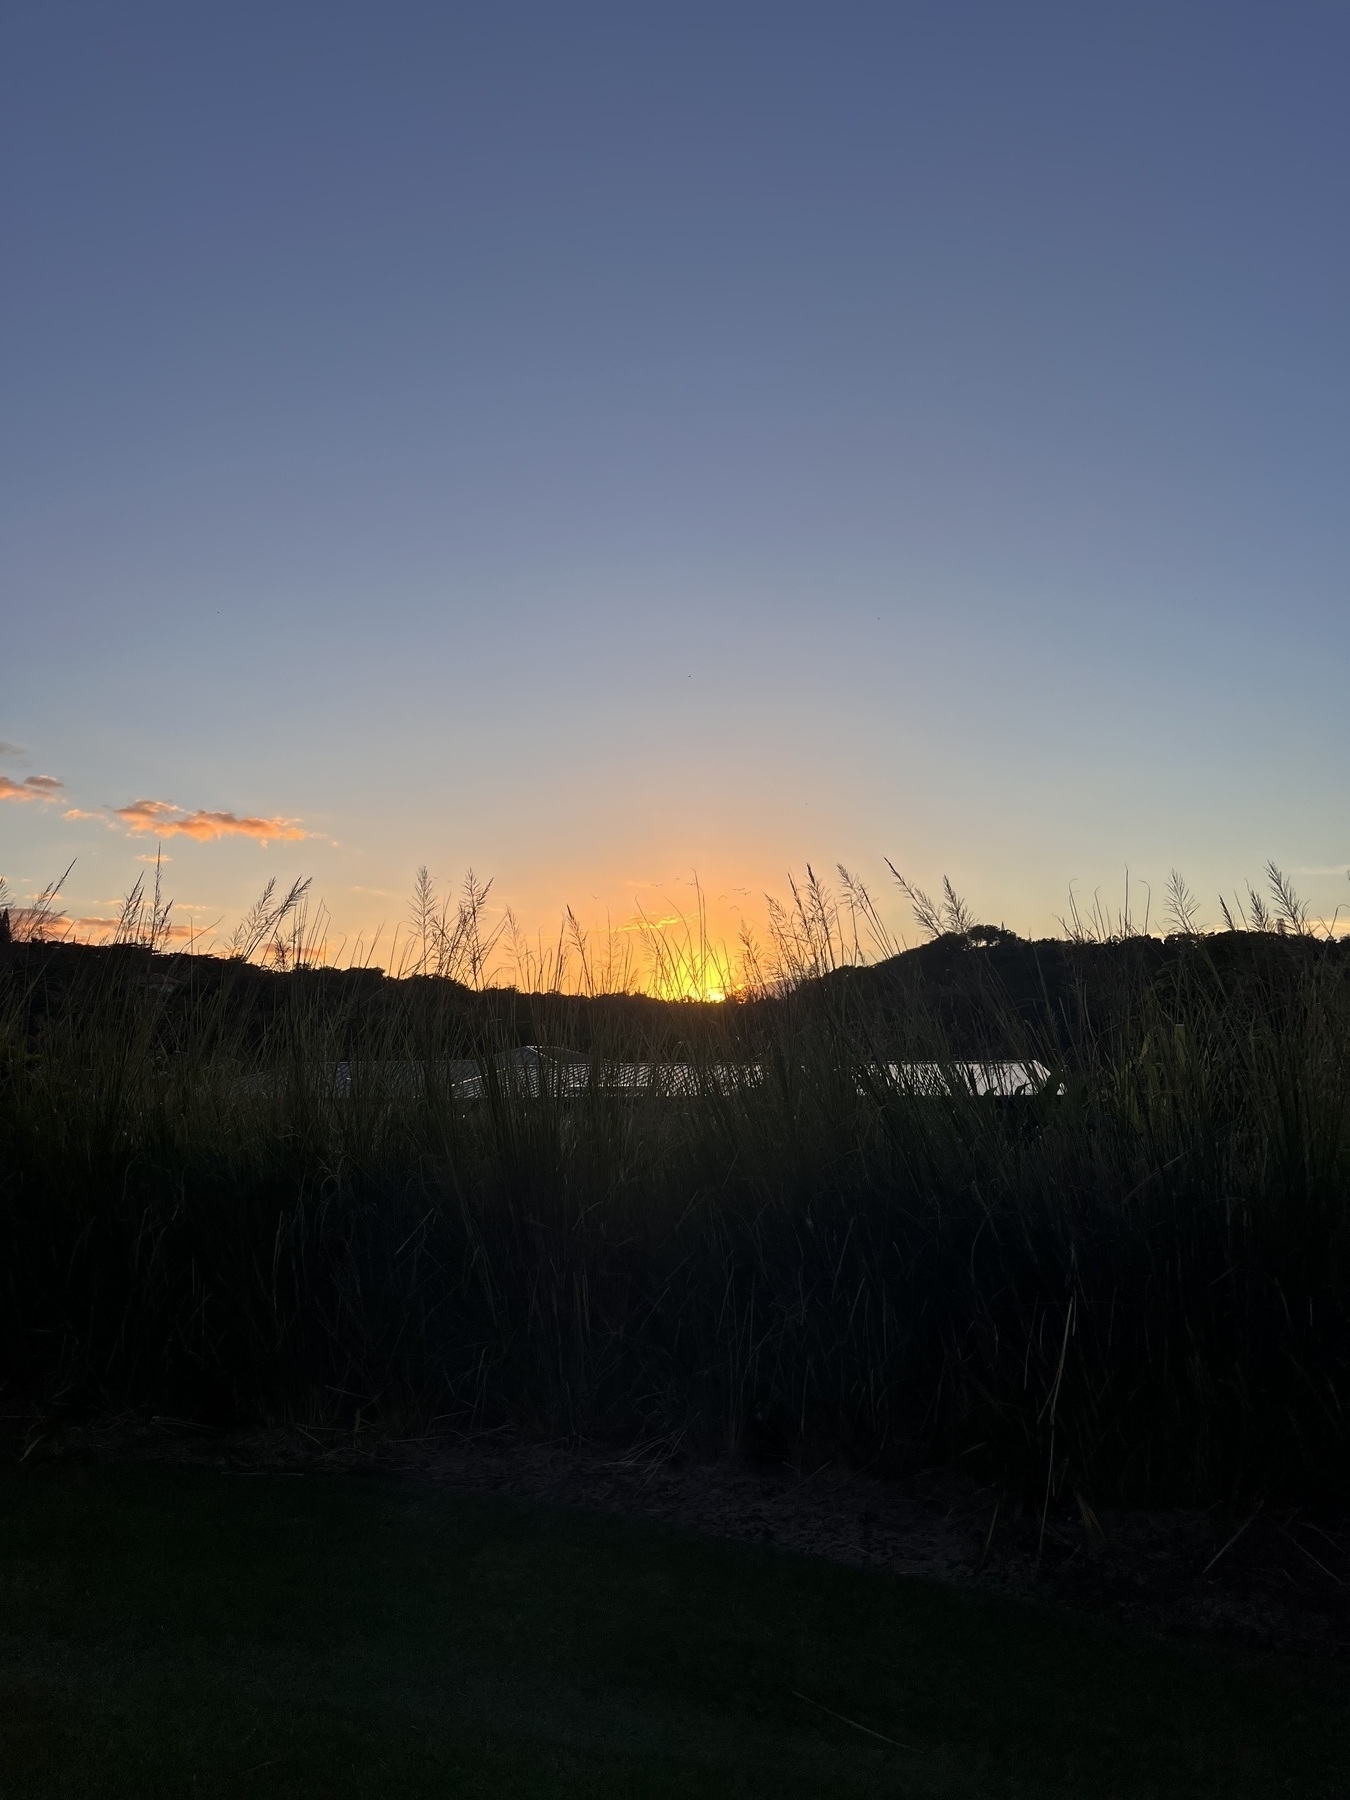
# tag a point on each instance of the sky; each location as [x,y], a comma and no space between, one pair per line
[610,447]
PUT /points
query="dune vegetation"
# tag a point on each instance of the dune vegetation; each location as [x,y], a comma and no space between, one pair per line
[237,1193]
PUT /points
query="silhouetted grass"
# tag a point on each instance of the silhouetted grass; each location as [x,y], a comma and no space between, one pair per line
[1137,1289]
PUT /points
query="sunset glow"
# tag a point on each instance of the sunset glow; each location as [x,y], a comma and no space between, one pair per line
[470,462]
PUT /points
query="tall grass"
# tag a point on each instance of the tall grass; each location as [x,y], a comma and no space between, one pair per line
[1136,1289]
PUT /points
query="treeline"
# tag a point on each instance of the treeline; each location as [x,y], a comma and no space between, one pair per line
[986,993]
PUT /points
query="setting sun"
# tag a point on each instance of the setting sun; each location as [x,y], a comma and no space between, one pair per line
[677,983]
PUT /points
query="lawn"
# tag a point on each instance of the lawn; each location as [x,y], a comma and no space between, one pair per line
[183,1632]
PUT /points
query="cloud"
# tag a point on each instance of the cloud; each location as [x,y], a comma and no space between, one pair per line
[643,923]
[167,820]
[10,749]
[24,919]
[99,926]
[32,787]
[75,813]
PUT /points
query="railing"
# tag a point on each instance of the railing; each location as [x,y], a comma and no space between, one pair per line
[533,1072]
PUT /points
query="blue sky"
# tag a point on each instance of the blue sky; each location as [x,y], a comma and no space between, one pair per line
[596,444]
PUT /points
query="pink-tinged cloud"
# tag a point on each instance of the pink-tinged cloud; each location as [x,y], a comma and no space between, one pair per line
[26,920]
[165,819]
[32,787]
[97,928]
[75,813]
[93,927]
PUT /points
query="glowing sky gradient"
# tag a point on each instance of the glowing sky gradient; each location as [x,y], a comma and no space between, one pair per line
[594,444]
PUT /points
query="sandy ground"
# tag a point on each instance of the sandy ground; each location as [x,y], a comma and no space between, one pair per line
[1277,1578]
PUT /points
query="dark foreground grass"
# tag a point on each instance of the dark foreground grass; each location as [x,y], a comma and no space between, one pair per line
[1131,1290]
[185,1633]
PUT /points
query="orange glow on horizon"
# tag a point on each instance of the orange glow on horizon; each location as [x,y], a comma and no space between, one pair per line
[711,991]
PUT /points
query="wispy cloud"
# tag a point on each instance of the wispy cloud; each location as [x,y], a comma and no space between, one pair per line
[657,923]
[25,919]
[75,812]
[32,787]
[10,749]
[101,926]
[96,925]
[165,819]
